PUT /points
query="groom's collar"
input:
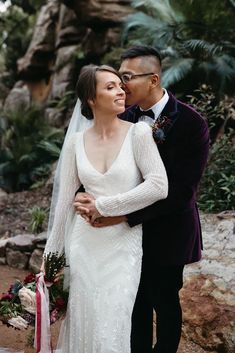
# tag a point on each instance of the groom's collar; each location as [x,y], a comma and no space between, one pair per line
[158,107]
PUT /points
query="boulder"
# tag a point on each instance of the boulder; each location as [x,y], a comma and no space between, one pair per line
[100,12]
[208,295]
[36,63]
[3,198]
[36,260]
[17,259]
[18,98]
[22,242]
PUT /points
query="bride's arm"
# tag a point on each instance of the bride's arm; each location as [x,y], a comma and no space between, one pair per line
[155,184]
[69,182]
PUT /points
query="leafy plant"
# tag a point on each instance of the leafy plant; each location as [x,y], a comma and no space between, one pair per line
[216,192]
[191,36]
[16,28]
[219,113]
[38,217]
[28,146]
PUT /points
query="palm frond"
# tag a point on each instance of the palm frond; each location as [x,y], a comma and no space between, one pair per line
[160,9]
[177,70]
[145,29]
[200,46]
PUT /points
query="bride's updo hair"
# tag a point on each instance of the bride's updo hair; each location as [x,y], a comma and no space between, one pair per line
[86,86]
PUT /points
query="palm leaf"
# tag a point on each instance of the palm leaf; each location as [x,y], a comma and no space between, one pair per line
[160,9]
[177,71]
[202,47]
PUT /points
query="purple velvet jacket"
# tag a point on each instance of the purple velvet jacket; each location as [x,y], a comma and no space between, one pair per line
[171,227]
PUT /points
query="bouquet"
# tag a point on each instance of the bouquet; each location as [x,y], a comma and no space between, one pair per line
[21,306]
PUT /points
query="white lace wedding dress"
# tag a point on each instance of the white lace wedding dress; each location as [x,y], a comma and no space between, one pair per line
[105,263]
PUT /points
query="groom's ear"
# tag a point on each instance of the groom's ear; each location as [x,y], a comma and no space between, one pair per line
[155,80]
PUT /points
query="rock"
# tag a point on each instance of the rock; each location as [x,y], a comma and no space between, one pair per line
[17,259]
[40,239]
[36,63]
[2,261]
[18,98]
[22,242]
[70,31]
[208,295]
[3,243]
[226,214]
[36,260]
[3,198]
[100,12]
[65,71]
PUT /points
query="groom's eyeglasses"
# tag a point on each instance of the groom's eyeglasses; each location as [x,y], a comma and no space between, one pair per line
[128,77]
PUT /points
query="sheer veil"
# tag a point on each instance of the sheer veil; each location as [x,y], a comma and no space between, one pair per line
[78,122]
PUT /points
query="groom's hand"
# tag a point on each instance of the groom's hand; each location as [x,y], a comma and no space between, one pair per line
[108,221]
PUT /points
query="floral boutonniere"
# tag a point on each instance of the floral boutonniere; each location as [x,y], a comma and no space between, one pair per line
[160,128]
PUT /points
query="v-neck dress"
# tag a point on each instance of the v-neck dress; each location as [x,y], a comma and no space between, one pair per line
[105,263]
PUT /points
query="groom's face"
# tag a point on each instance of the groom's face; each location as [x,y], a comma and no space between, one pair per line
[137,88]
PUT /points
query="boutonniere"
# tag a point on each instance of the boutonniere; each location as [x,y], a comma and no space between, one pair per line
[160,128]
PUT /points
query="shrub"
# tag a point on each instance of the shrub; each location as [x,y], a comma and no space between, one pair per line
[38,218]
[28,146]
[216,191]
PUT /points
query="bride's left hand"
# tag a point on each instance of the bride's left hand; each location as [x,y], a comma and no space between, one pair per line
[89,211]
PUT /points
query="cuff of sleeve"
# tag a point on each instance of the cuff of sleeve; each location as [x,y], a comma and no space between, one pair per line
[131,220]
[99,208]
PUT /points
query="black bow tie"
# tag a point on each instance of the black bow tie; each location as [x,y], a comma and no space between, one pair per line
[139,113]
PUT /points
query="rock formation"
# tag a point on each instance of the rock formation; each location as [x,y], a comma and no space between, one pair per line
[67,35]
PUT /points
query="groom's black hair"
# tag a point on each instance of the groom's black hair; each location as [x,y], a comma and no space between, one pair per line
[140,51]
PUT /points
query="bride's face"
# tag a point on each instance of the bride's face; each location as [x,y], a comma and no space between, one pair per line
[110,96]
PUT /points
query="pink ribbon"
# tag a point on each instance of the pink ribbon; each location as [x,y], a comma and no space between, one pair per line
[42,338]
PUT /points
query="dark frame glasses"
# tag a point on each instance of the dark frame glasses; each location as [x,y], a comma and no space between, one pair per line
[128,77]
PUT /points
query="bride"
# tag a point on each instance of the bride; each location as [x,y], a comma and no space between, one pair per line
[119,164]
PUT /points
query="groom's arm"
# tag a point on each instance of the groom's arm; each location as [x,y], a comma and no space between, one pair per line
[81,189]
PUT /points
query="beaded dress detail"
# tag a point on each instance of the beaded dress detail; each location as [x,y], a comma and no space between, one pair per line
[105,263]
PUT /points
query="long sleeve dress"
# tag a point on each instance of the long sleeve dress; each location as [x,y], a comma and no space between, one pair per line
[105,263]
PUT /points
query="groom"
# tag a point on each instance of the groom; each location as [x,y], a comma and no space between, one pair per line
[171,227]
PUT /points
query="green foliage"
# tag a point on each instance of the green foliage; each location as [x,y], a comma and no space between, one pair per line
[16,29]
[216,111]
[28,146]
[64,102]
[196,46]
[112,57]
[28,6]
[38,217]
[217,187]
[216,190]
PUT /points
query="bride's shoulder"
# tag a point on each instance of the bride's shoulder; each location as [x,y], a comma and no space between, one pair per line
[141,128]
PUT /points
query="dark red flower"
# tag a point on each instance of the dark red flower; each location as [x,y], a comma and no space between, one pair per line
[31,277]
[7,296]
[59,303]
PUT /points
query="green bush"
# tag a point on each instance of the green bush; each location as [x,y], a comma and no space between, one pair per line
[216,191]
[28,146]
[38,218]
